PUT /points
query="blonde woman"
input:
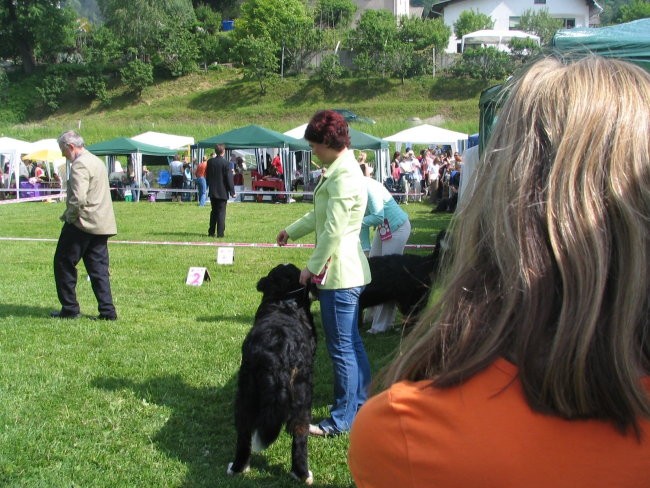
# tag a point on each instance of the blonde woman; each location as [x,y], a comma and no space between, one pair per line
[532,367]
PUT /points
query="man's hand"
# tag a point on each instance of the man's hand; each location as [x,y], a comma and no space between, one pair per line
[282,238]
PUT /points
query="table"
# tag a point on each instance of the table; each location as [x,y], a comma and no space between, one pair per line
[272,184]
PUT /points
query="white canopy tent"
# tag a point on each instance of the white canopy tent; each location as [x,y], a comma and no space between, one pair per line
[429,134]
[170,141]
[11,151]
[497,38]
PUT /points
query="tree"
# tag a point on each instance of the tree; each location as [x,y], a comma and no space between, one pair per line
[424,34]
[277,23]
[471,21]
[35,29]
[637,9]
[334,13]
[138,23]
[540,23]
[375,35]
[258,56]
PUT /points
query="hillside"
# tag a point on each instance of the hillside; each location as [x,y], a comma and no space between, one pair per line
[207,103]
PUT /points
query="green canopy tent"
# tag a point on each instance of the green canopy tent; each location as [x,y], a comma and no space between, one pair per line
[629,42]
[258,138]
[358,140]
[124,146]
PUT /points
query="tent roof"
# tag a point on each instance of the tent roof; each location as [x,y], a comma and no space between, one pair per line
[498,36]
[8,144]
[427,134]
[253,136]
[358,139]
[124,145]
[169,141]
[629,41]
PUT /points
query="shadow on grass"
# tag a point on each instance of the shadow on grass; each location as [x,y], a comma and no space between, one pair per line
[200,431]
[212,319]
[21,310]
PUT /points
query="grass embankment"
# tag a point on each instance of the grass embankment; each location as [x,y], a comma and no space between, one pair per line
[147,401]
[209,103]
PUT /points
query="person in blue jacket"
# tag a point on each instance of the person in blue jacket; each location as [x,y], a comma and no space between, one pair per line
[392,230]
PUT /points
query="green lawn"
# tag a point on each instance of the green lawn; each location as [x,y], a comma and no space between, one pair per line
[147,401]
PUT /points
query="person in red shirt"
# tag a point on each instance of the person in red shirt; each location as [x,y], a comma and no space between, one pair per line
[201,185]
[277,166]
[532,366]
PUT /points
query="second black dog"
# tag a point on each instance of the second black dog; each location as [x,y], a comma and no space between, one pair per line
[275,377]
[402,278]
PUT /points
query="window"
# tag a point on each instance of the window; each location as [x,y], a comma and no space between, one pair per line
[539,2]
[569,23]
[513,23]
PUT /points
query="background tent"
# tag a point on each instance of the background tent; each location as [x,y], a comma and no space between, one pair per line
[497,38]
[429,134]
[123,146]
[170,141]
[629,42]
[258,138]
[11,151]
[359,140]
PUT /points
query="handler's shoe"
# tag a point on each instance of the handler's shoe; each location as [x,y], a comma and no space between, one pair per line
[57,314]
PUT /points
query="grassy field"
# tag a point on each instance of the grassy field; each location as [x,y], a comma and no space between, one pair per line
[208,103]
[147,401]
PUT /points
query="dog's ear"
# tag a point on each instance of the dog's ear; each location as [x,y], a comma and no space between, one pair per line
[262,284]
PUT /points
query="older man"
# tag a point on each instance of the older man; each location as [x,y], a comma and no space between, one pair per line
[88,222]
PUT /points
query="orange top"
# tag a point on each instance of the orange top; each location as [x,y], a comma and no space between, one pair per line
[200,169]
[484,434]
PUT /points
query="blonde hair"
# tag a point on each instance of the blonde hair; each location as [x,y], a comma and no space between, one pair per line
[549,259]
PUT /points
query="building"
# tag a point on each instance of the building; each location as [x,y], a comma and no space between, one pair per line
[506,13]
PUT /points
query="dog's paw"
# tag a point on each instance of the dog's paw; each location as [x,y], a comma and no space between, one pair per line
[308,480]
[230,472]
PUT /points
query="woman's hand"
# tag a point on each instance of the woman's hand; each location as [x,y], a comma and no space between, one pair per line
[305,277]
[282,238]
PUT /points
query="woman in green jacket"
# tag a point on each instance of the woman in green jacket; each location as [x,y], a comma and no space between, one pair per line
[338,265]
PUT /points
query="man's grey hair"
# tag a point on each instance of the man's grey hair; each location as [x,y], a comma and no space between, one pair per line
[70,137]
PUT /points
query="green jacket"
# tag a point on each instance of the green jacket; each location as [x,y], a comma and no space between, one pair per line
[339,204]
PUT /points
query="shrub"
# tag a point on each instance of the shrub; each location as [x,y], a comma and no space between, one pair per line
[137,75]
[51,91]
[485,63]
[93,87]
[329,71]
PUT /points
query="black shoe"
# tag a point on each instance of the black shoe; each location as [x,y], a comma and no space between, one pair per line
[210,235]
[105,317]
[64,315]
[220,235]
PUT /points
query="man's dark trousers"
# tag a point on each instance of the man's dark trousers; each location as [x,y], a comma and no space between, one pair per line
[217,216]
[73,246]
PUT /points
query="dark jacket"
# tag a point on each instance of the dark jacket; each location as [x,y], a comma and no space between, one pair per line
[219,178]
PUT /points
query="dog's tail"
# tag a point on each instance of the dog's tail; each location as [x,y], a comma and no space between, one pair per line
[274,402]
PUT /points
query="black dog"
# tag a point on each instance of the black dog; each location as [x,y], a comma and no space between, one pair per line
[275,377]
[402,278]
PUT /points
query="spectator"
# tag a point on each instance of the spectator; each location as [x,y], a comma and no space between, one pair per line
[176,172]
[532,368]
[201,185]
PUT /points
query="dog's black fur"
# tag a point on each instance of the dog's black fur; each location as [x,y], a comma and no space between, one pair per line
[402,278]
[275,377]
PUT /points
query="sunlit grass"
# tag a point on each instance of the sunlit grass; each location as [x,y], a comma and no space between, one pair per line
[147,401]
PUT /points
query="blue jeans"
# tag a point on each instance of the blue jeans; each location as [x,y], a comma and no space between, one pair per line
[202,190]
[339,313]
